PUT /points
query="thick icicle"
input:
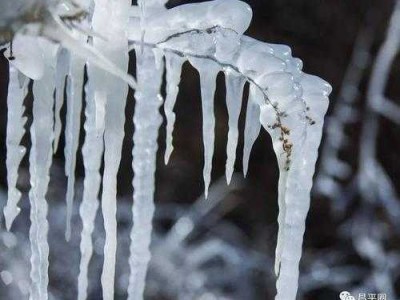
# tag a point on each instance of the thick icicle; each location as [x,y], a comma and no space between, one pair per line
[17,91]
[252,125]
[40,161]
[72,130]
[234,94]
[147,121]
[117,50]
[173,65]
[208,72]
[61,74]
[298,186]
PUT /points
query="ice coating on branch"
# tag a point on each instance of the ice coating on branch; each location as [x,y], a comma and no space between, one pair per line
[208,72]
[72,130]
[30,63]
[61,74]
[296,147]
[234,94]
[173,66]
[56,30]
[252,125]
[40,160]
[276,89]
[17,91]
[289,104]
[147,121]
[231,14]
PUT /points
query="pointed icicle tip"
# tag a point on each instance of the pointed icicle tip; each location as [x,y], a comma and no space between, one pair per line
[9,215]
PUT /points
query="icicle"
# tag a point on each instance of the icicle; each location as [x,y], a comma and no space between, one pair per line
[173,67]
[108,118]
[17,91]
[147,121]
[61,74]
[252,125]
[72,130]
[298,186]
[40,161]
[234,94]
[113,138]
[92,152]
[208,72]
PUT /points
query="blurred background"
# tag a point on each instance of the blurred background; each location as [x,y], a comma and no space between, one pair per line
[223,247]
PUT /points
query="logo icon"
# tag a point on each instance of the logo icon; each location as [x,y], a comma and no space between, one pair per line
[346,296]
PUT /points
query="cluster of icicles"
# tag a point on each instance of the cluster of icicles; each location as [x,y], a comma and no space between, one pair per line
[288,103]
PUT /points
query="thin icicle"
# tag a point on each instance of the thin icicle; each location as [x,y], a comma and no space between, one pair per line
[147,121]
[252,125]
[72,130]
[173,65]
[40,161]
[208,72]
[61,74]
[17,91]
[92,152]
[234,94]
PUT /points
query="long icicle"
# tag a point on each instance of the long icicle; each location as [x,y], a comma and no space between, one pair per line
[40,162]
[92,152]
[252,125]
[72,130]
[147,121]
[117,50]
[173,65]
[17,91]
[234,94]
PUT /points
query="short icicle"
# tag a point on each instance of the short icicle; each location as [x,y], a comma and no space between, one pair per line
[147,121]
[61,74]
[17,91]
[72,130]
[40,161]
[252,125]
[208,72]
[234,94]
[173,65]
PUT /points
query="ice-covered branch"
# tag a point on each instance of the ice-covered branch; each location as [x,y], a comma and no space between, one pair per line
[288,103]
